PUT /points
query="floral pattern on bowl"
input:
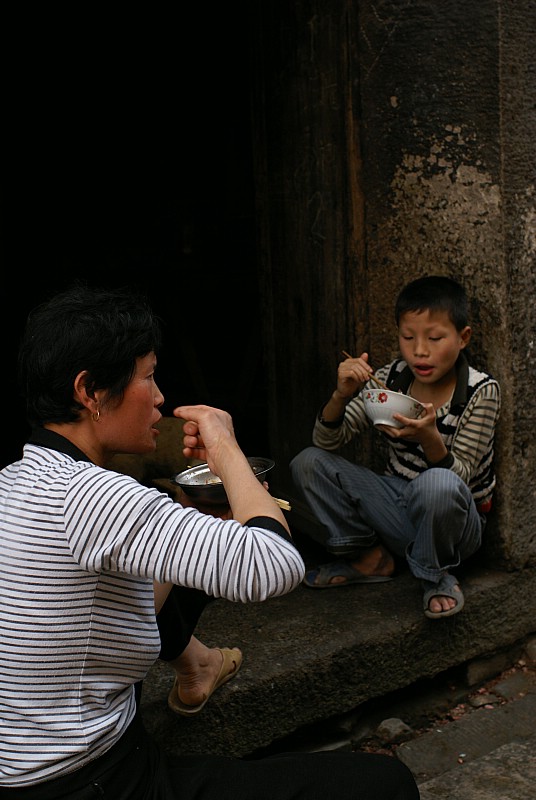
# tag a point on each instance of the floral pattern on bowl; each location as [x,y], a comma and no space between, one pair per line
[381,404]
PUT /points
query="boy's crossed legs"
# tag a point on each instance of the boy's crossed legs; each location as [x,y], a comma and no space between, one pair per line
[430,521]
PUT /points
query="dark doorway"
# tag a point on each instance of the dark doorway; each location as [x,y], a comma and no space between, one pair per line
[131,163]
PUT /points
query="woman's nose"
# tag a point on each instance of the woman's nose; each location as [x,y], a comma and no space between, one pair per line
[158,398]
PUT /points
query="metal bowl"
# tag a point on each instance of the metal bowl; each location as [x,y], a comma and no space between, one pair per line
[201,484]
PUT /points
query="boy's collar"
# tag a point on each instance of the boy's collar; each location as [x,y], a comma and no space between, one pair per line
[402,381]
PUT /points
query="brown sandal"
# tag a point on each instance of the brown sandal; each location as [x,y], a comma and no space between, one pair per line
[232,660]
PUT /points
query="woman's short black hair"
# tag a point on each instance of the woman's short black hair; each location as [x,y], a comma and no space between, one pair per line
[99,330]
[434,293]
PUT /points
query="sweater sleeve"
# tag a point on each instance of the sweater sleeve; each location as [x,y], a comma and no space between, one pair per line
[114,524]
[472,444]
[330,436]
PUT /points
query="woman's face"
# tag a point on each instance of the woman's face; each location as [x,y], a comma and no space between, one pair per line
[129,426]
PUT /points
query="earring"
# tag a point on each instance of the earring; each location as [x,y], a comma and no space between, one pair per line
[95,416]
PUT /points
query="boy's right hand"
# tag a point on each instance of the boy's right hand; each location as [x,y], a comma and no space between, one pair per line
[352,375]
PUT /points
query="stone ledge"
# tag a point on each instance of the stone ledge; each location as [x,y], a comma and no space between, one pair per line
[312,655]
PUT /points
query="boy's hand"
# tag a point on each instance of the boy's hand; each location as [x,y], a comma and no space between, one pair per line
[423,430]
[352,375]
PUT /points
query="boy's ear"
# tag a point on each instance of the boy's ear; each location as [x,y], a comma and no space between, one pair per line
[465,336]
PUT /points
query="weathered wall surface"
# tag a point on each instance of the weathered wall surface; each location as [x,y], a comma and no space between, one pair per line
[309,208]
[454,195]
[400,142]
[517,453]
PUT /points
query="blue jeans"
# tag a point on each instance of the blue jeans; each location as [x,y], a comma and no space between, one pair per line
[431,521]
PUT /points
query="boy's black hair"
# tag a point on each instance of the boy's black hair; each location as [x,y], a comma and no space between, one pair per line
[103,331]
[434,293]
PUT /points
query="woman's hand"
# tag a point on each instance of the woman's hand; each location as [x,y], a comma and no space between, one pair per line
[209,436]
[205,431]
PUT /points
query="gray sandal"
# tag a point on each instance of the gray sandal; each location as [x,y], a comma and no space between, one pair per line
[321,577]
[448,586]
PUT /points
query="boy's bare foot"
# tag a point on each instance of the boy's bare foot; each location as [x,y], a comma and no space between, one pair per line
[375,561]
[374,565]
[443,599]
[440,603]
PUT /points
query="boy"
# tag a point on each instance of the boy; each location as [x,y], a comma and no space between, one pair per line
[429,506]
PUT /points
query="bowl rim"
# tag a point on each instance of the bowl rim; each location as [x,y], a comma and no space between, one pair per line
[377,391]
[203,468]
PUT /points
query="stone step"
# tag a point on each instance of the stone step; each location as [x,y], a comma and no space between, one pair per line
[316,654]
[488,755]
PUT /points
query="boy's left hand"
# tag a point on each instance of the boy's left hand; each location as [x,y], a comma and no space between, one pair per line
[423,430]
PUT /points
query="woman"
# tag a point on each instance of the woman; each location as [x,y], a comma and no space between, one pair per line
[90,556]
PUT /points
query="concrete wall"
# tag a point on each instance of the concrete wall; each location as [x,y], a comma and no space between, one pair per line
[399,141]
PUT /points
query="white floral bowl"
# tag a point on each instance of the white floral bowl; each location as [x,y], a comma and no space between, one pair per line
[381,404]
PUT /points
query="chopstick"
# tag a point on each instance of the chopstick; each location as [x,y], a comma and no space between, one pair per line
[372,376]
[284,504]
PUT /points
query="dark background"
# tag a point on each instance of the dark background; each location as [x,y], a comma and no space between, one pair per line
[130,162]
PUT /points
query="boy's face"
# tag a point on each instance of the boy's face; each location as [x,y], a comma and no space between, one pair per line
[430,344]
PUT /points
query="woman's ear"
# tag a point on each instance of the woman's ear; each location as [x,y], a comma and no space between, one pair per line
[465,337]
[82,395]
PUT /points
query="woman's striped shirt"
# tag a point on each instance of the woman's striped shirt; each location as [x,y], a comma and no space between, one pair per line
[80,547]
